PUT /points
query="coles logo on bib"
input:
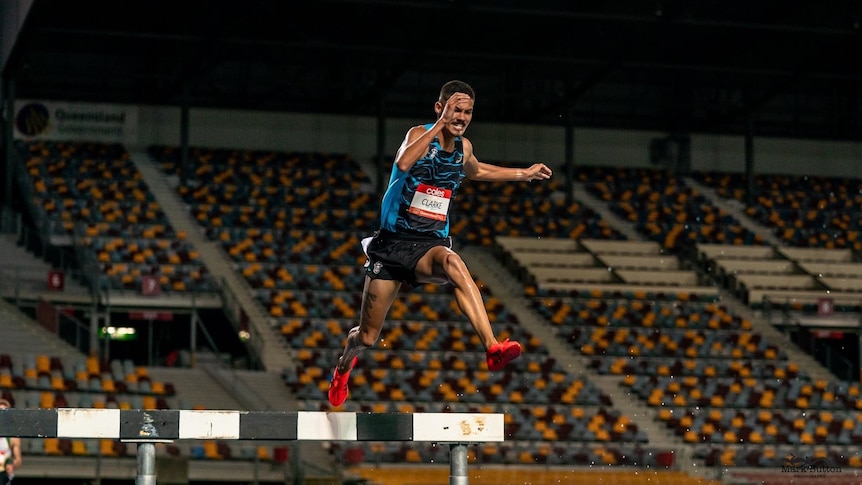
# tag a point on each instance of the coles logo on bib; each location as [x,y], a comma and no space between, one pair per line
[431,202]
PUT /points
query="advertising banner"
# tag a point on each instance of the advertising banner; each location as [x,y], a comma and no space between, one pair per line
[49,120]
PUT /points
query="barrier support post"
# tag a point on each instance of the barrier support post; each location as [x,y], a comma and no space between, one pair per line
[458,464]
[146,464]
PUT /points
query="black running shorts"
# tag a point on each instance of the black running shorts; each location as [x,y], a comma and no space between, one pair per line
[394,256]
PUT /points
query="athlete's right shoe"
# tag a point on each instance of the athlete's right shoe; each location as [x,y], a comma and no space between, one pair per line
[338,385]
[501,353]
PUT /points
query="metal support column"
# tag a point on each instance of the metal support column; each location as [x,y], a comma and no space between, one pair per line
[9,142]
[146,464]
[458,464]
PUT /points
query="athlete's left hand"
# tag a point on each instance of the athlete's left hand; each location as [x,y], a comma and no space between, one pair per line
[537,171]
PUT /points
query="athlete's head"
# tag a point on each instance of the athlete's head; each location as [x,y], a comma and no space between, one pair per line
[463,110]
[453,87]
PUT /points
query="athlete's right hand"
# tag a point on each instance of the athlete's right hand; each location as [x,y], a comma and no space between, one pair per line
[448,112]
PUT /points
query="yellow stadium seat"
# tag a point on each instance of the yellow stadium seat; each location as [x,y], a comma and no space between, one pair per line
[211,450]
[52,446]
[79,448]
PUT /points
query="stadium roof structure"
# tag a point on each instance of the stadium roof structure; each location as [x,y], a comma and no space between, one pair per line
[769,67]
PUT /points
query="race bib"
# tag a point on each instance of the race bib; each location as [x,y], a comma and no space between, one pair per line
[431,202]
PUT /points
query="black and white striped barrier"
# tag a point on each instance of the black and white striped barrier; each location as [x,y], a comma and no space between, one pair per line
[147,427]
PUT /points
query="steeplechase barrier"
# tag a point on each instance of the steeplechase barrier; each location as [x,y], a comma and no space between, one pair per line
[148,427]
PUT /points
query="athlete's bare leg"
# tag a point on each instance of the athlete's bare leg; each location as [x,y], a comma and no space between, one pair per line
[443,263]
[377,298]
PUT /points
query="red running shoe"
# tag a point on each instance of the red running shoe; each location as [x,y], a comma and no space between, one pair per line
[501,353]
[338,385]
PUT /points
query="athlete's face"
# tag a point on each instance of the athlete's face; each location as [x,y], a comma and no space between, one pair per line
[462,118]
[457,115]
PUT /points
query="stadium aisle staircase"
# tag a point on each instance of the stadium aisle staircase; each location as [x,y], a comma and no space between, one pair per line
[274,357]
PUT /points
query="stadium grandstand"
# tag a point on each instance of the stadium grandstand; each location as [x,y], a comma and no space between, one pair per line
[185,188]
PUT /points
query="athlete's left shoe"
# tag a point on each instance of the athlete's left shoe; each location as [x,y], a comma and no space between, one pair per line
[501,353]
[338,389]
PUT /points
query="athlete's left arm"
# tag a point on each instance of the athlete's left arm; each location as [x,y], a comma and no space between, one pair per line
[486,172]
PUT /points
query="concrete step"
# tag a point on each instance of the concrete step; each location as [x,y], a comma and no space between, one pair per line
[195,388]
[22,335]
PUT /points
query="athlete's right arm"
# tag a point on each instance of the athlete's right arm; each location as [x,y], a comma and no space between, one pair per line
[415,145]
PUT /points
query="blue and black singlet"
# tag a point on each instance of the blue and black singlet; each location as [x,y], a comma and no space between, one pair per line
[417,202]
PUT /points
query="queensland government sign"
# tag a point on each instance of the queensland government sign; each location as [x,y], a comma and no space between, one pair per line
[50,120]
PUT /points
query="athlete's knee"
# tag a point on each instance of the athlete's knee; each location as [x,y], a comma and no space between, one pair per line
[453,264]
